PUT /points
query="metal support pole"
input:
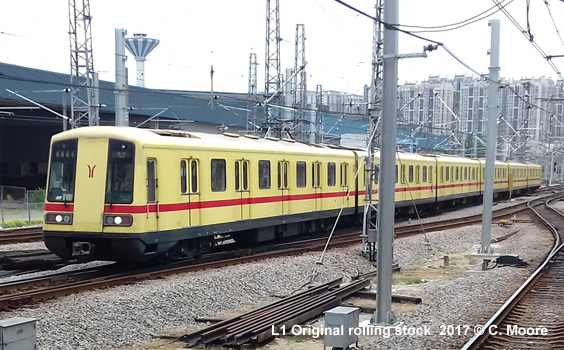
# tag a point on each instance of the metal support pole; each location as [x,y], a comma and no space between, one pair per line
[122,115]
[491,139]
[386,185]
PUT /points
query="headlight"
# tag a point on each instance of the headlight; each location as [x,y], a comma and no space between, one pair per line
[58,218]
[118,220]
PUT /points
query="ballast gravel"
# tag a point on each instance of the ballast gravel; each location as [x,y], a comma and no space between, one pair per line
[126,315]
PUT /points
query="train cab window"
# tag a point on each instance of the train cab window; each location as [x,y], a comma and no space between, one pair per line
[424,173]
[62,171]
[447,178]
[218,175]
[282,175]
[344,174]
[301,174]
[316,174]
[119,180]
[411,173]
[331,174]
[264,174]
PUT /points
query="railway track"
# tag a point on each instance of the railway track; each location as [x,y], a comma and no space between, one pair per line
[20,235]
[532,317]
[28,291]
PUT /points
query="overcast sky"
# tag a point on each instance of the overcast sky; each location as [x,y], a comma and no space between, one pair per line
[197,34]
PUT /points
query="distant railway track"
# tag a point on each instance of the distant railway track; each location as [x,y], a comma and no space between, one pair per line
[20,235]
[34,290]
[532,317]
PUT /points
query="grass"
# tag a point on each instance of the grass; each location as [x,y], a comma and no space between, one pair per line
[414,280]
[22,223]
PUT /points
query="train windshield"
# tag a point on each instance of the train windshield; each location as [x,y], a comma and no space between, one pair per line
[119,183]
[62,171]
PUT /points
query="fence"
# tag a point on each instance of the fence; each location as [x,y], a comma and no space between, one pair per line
[20,207]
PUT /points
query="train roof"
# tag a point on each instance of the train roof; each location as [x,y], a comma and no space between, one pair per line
[173,138]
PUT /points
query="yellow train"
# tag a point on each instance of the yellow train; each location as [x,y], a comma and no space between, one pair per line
[127,194]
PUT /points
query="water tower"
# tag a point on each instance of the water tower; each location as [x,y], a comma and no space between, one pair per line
[140,46]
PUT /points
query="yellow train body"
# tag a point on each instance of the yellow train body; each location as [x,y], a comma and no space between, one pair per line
[132,194]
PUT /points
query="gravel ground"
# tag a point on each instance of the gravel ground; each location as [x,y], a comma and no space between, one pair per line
[468,300]
[127,315]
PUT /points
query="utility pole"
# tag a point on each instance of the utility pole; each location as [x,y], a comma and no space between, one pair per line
[386,185]
[491,139]
[314,110]
[272,59]
[300,84]
[83,89]
[369,228]
[251,97]
[121,109]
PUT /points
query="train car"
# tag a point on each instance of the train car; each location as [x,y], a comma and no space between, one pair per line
[533,177]
[517,178]
[132,194]
[127,194]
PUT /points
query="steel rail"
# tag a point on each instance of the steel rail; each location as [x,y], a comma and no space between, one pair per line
[502,312]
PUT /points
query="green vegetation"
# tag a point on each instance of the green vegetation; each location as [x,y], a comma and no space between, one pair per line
[37,196]
[414,280]
[22,223]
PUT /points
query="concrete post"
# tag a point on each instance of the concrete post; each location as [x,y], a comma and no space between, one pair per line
[491,138]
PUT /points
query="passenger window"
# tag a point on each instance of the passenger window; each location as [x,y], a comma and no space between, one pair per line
[283,175]
[417,173]
[183,182]
[264,174]
[301,174]
[442,174]
[241,175]
[403,177]
[424,173]
[331,174]
[447,174]
[430,174]
[218,175]
[456,173]
[316,174]
[151,181]
[194,176]
[396,173]
[344,174]
[411,173]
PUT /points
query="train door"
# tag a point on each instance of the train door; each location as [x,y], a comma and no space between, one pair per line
[189,187]
[242,187]
[510,183]
[152,195]
[316,184]
[90,181]
[283,186]
[344,181]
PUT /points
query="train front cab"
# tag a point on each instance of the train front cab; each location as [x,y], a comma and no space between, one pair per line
[90,211]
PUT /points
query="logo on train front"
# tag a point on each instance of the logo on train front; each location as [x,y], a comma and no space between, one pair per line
[91,171]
